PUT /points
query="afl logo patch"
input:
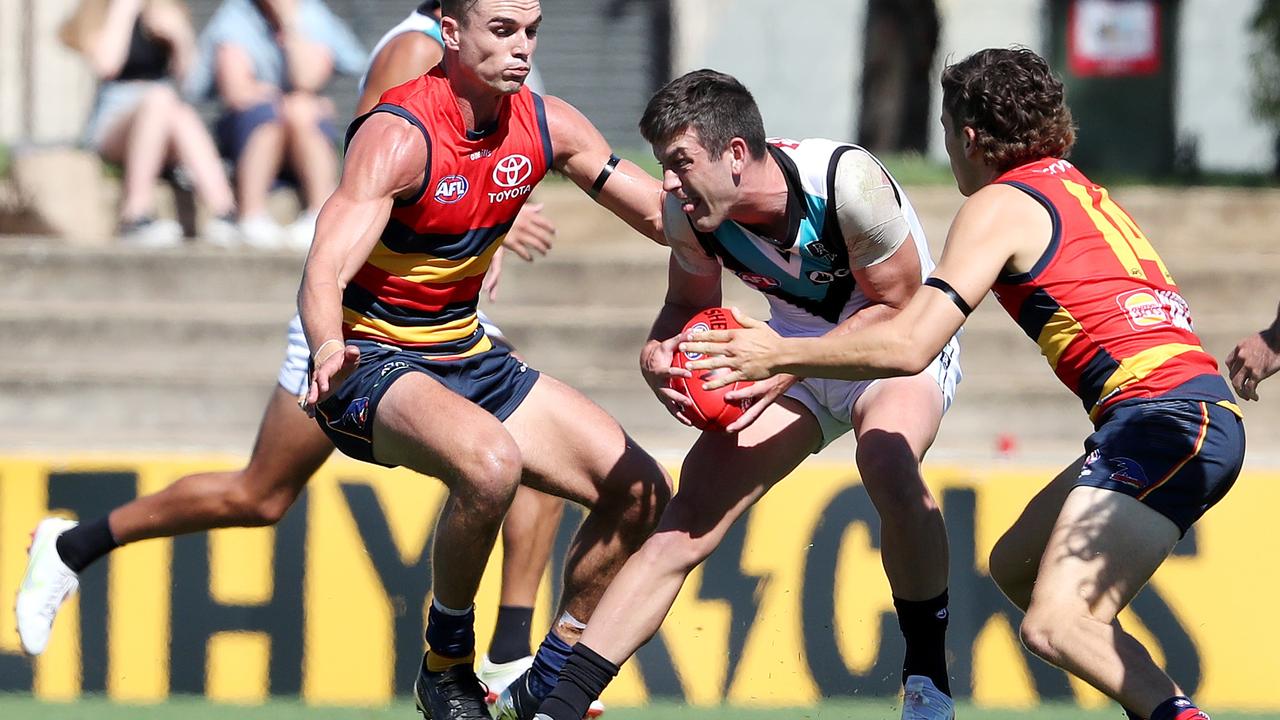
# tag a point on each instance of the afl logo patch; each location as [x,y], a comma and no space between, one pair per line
[700,327]
[759,282]
[512,170]
[451,189]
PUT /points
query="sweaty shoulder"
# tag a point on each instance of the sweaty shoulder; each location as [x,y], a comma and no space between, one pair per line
[684,244]
[388,149]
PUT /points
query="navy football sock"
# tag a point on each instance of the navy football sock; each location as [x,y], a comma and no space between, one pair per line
[451,635]
[511,634]
[586,674]
[924,627]
[547,664]
[84,543]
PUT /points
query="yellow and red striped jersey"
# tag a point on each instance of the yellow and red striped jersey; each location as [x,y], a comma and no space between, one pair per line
[421,283]
[1101,304]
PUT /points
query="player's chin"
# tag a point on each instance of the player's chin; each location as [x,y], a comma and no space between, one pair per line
[509,85]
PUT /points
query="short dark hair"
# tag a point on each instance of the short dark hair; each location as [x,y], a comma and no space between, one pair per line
[429,7]
[715,105]
[1014,103]
[457,9]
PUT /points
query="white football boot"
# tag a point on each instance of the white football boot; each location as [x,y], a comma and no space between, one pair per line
[498,677]
[46,585]
[922,700]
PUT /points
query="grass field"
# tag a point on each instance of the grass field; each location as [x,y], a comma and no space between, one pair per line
[24,708]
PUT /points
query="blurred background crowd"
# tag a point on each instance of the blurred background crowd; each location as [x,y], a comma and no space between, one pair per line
[227,101]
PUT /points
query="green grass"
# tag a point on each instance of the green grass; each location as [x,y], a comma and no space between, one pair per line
[21,706]
[4,161]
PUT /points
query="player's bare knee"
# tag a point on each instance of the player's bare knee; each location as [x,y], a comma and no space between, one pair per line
[489,476]
[895,484]
[675,551]
[1042,631]
[160,98]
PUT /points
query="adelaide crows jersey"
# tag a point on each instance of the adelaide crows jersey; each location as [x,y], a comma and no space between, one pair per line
[1100,302]
[421,283]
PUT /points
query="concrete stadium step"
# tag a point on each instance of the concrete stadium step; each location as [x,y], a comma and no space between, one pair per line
[36,269]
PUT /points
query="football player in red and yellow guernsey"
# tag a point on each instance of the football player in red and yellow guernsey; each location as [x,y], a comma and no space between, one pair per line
[1081,279]
[403,372]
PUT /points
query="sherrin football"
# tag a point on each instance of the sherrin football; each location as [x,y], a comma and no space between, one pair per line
[710,411]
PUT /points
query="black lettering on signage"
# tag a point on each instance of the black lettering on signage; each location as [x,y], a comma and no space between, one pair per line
[90,495]
[724,579]
[407,586]
[830,672]
[196,616]
[975,600]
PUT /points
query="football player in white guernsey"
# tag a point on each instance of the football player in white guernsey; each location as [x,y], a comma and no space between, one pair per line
[823,230]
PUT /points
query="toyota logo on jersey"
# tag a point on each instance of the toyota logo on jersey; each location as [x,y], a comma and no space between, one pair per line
[451,189]
[512,170]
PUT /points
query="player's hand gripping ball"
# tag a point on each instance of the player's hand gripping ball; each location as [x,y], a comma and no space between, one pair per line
[710,411]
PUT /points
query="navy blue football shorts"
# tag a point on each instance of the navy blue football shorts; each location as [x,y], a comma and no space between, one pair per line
[494,380]
[1179,457]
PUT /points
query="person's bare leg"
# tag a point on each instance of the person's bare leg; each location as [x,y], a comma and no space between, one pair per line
[311,153]
[289,449]
[472,454]
[722,476]
[1015,558]
[896,421]
[257,168]
[528,534]
[195,150]
[146,151]
[572,448]
[1104,547]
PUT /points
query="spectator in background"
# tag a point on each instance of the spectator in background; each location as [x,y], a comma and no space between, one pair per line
[268,61]
[1254,359]
[137,48]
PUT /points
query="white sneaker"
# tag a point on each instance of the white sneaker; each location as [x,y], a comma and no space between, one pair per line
[262,233]
[221,232]
[922,700]
[151,233]
[47,583]
[498,678]
[299,234]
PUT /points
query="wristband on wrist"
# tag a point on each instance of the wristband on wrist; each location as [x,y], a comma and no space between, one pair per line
[316,357]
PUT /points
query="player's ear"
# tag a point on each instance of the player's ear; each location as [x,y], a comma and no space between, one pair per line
[741,153]
[970,141]
[449,30]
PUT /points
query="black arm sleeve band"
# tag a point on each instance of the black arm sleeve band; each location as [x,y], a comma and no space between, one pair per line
[603,177]
[950,292]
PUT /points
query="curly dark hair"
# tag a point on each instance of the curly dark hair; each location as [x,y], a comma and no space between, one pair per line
[1014,103]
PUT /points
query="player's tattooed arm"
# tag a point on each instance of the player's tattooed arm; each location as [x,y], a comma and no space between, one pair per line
[385,161]
[584,156]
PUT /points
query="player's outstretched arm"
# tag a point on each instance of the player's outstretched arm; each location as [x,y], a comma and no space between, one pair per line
[584,156]
[985,235]
[1254,359]
[386,160]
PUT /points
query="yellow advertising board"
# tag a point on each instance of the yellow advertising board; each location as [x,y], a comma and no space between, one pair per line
[791,609]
